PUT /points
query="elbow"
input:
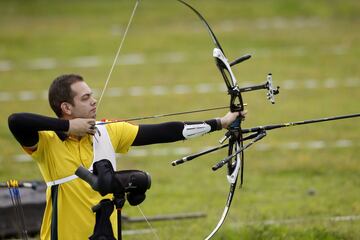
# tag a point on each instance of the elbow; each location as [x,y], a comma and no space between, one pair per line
[13,120]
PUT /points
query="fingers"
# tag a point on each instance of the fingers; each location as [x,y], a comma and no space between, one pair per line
[91,121]
[92,128]
[231,117]
[243,113]
[80,127]
[91,131]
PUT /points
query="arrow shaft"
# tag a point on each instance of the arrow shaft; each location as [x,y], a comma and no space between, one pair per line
[164,115]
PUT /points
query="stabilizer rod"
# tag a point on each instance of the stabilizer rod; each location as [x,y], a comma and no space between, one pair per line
[191,157]
[240,59]
[290,124]
[213,149]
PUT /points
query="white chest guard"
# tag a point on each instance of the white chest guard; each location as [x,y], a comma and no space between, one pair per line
[102,149]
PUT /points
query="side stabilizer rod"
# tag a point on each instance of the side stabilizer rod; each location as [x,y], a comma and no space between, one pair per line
[220,164]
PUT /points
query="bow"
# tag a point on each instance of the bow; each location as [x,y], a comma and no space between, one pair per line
[234,135]
[236,105]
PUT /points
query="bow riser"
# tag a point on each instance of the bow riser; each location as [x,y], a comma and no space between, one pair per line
[236,103]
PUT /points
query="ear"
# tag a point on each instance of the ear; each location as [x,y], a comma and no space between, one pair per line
[66,108]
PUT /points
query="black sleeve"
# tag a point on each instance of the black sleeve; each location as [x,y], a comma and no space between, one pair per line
[166,132]
[25,127]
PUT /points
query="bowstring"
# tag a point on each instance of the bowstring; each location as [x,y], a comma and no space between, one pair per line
[117,54]
[148,223]
[108,80]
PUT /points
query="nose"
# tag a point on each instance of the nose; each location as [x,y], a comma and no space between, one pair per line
[94,101]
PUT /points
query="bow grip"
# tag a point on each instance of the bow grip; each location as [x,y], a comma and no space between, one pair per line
[236,124]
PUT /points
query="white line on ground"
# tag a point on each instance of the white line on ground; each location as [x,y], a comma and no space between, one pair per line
[85,62]
[139,152]
[182,89]
[131,59]
[42,64]
[159,90]
[304,219]
[5,66]
[138,231]
[47,63]
[26,96]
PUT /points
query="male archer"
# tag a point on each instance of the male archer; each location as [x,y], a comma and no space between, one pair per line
[60,145]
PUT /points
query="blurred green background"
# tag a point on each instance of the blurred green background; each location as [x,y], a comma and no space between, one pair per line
[298,177]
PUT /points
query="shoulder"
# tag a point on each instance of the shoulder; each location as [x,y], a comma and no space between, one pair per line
[121,128]
[122,135]
[47,134]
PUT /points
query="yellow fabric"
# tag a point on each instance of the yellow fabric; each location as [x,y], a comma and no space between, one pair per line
[58,159]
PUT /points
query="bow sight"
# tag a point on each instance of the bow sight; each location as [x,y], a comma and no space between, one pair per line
[268,85]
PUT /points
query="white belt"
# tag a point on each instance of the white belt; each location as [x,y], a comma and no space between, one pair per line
[61,180]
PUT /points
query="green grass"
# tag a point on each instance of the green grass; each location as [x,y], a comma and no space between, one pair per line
[297,40]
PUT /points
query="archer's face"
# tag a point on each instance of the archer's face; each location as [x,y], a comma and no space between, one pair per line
[84,102]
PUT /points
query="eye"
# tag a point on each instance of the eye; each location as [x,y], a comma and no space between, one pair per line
[86,97]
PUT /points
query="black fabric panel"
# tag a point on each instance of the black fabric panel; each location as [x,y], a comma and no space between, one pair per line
[54,215]
[159,133]
[25,126]
[166,132]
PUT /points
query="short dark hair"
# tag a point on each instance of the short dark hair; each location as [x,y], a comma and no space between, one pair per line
[60,91]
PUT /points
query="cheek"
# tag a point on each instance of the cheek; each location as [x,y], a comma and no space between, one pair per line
[84,106]
[79,107]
